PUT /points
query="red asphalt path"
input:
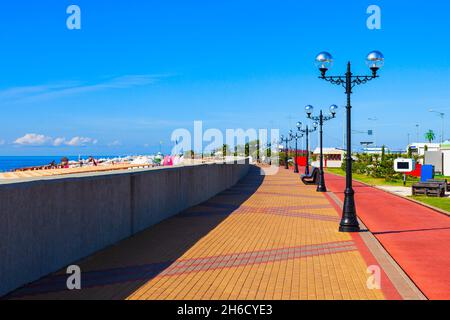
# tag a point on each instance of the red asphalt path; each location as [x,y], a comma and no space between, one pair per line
[418,238]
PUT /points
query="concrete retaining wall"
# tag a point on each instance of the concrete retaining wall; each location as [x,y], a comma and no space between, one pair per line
[48,224]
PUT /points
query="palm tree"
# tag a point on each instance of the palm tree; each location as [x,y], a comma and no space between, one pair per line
[430,136]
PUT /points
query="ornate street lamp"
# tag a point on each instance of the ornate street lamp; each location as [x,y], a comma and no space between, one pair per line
[269,152]
[307,131]
[324,61]
[286,141]
[291,138]
[296,137]
[321,187]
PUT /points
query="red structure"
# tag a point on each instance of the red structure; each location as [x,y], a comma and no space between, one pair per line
[301,161]
[417,172]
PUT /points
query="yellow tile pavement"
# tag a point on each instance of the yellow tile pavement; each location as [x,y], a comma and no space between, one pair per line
[269,219]
[266,238]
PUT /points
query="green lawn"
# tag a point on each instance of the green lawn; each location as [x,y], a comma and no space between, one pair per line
[372,181]
[441,203]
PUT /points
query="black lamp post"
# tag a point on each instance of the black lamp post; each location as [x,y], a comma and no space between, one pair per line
[307,131]
[296,137]
[375,61]
[286,141]
[269,152]
[321,187]
[291,137]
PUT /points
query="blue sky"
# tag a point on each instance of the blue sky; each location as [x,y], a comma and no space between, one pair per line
[137,70]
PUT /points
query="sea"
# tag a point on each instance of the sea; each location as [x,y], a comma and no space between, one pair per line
[8,163]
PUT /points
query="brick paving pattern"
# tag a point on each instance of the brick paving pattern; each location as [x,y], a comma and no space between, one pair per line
[266,238]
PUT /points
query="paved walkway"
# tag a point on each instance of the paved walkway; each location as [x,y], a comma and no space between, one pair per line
[416,236]
[266,238]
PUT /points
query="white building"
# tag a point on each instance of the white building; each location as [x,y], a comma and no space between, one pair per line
[436,148]
[333,157]
[445,148]
[419,147]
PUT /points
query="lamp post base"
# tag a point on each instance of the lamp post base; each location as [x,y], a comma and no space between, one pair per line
[349,222]
[321,187]
[350,229]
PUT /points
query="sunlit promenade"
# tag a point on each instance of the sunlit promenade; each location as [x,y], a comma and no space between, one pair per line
[268,237]
[225,159]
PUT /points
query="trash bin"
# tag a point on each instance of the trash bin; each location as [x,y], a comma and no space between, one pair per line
[427,173]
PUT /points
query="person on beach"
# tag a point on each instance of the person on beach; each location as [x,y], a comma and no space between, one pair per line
[64,163]
[52,165]
[93,161]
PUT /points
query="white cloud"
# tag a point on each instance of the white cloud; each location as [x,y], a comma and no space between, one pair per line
[70,88]
[2,142]
[33,139]
[81,142]
[59,141]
